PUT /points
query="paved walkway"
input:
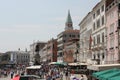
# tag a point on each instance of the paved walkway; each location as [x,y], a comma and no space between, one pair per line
[76,75]
[64,78]
[5,78]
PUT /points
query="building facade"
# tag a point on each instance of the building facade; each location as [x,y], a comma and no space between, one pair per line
[52,50]
[85,38]
[71,51]
[112,31]
[44,56]
[49,51]
[105,31]
[19,57]
[98,33]
[64,36]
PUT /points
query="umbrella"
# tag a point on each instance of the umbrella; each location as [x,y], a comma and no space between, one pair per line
[17,77]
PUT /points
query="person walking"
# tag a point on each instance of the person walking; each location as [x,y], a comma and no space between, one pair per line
[72,76]
[12,74]
[66,74]
[82,77]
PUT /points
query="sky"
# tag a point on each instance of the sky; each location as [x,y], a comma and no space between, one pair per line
[23,22]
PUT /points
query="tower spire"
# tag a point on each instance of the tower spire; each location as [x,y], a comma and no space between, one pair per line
[68,24]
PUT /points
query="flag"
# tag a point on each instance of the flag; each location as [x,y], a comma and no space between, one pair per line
[90,42]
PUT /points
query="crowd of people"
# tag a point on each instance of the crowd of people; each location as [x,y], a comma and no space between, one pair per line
[53,72]
[5,72]
[47,72]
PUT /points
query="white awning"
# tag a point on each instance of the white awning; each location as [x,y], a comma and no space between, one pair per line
[34,67]
[52,63]
[77,64]
[73,64]
[103,67]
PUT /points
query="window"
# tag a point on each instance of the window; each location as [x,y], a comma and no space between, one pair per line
[94,40]
[117,24]
[113,4]
[93,56]
[112,57]
[98,56]
[102,8]
[53,46]
[112,28]
[111,42]
[94,16]
[69,25]
[98,23]
[103,37]
[111,15]
[119,6]
[103,56]
[103,20]
[94,26]
[73,35]
[64,35]
[98,39]
[64,41]
[98,12]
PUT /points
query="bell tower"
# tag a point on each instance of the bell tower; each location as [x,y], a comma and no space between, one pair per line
[69,24]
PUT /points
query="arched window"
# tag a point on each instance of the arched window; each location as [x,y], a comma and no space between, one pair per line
[103,55]
[93,56]
[98,56]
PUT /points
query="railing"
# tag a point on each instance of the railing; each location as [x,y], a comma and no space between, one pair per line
[111,62]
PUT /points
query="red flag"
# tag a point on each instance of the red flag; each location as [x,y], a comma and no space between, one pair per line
[90,42]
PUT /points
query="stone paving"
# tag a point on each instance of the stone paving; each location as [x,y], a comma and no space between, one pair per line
[5,78]
[77,76]
[64,78]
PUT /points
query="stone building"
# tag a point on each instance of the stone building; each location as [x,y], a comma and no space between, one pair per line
[85,38]
[66,35]
[49,51]
[71,51]
[44,56]
[112,31]
[98,33]
[19,57]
